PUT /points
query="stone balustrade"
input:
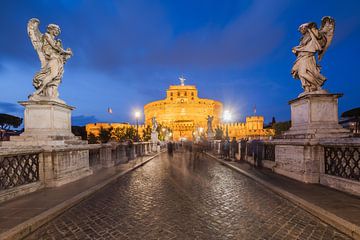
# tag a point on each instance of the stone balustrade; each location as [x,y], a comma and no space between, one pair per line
[335,164]
[29,169]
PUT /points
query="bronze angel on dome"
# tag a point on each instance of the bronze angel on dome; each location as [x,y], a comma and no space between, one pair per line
[314,41]
[52,57]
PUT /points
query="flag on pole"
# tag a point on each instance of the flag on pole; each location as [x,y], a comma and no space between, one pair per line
[109,110]
[254,109]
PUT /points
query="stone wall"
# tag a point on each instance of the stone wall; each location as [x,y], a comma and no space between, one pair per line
[331,162]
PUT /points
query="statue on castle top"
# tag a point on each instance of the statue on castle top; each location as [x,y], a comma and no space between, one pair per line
[52,57]
[313,41]
[182,81]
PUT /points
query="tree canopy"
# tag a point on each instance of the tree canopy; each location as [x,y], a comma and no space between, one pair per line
[7,121]
[355,112]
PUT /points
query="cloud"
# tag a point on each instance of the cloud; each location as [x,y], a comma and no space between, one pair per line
[82,120]
[6,107]
[137,34]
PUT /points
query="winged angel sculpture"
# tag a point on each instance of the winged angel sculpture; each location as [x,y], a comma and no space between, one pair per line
[313,41]
[52,57]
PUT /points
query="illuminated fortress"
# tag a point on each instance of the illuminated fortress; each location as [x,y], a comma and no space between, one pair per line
[184,112]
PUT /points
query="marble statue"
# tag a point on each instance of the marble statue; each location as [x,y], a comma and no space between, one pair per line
[210,132]
[209,123]
[52,57]
[182,81]
[314,41]
[154,124]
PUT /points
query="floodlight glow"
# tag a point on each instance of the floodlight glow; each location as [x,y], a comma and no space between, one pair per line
[137,114]
[227,116]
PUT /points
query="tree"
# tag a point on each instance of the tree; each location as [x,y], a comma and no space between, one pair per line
[219,133]
[79,131]
[147,133]
[162,131]
[130,133]
[281,127]
[105,134]
[353,114]
[273,121]
[92,139]
[6,122]
[119,134]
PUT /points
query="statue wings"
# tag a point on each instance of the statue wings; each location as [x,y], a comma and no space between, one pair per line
[327,31]
[36,38]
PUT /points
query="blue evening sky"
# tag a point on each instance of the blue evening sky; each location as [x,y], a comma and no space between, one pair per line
[127,53]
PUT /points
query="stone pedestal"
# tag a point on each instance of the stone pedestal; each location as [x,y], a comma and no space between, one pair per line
[298,159]
[154,137]
[315,116]
[46,123]
[48,129]
[210,135]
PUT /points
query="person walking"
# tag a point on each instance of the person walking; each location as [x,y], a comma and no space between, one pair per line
[170,149]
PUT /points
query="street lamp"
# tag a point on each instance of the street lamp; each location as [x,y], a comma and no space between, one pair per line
[227,119]
[137,116]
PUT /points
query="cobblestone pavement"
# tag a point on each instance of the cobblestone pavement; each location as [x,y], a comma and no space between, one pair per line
[179,198]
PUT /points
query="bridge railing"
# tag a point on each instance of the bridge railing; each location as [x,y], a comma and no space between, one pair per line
[18,169]
[342,161]
[24,171]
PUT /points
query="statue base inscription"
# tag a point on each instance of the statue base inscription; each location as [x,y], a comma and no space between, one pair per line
[315,116]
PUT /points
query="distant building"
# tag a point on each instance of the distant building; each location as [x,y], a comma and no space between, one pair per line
[184,112]
[94,128]
[351,120]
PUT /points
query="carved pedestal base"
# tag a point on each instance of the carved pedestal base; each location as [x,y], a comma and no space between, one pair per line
[315,116]
[210,135]
[46,123]
[65,158]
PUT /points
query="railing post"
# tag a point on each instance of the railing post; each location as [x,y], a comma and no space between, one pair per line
[106,155]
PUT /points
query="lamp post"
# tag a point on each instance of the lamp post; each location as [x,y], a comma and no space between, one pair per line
[137,116]
[227,119]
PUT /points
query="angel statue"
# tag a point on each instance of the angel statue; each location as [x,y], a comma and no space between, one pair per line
[209,123]
[154,124]
[52,57]
[313,41]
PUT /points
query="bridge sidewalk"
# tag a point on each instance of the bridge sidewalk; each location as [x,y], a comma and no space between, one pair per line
[336,208]
[21,216]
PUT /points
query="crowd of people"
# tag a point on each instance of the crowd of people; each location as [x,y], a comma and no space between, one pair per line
[228,148]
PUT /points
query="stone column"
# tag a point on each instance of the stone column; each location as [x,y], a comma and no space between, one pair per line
[106,155]
[64,165]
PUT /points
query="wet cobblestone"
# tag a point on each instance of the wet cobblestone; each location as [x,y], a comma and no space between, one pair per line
[179,198]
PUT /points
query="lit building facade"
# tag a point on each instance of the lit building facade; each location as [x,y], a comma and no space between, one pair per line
[184,112]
